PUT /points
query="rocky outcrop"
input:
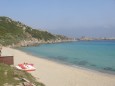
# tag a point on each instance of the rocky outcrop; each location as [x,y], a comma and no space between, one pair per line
[35,42]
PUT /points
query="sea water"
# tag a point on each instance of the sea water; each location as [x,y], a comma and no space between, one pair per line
[96,55]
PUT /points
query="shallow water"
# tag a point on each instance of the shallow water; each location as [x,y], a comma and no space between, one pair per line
[96,55]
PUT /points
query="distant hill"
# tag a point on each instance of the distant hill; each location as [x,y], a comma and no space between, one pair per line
[14,32]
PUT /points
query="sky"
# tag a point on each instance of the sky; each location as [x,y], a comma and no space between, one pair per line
[73,18]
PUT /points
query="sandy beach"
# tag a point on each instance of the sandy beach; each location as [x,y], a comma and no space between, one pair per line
[54,74]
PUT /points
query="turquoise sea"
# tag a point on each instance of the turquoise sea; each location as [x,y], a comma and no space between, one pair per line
[95,55]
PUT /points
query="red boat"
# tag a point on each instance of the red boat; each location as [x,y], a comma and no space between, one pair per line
[26,67]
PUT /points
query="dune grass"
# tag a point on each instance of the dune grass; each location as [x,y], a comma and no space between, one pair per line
[13,77]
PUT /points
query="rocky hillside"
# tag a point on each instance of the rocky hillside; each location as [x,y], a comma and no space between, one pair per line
[14,33]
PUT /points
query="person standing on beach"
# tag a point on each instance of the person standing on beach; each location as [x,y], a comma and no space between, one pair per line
[0,49]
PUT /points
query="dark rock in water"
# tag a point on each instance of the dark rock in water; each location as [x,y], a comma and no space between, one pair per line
[109,69]
[75,62]
[83,63]
[93,65]
[62,58]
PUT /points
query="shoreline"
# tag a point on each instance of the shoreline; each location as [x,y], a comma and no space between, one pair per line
[26,44]
[50,42]
[56,74]
[107,72]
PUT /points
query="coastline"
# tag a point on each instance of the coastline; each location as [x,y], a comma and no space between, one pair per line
[55,74]
[36,42]
[70,64]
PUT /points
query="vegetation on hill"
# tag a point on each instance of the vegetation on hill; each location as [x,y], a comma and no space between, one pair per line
[11,76]
[39,34]
[12,32]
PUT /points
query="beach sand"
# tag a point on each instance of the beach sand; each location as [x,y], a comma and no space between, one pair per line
[54,74]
